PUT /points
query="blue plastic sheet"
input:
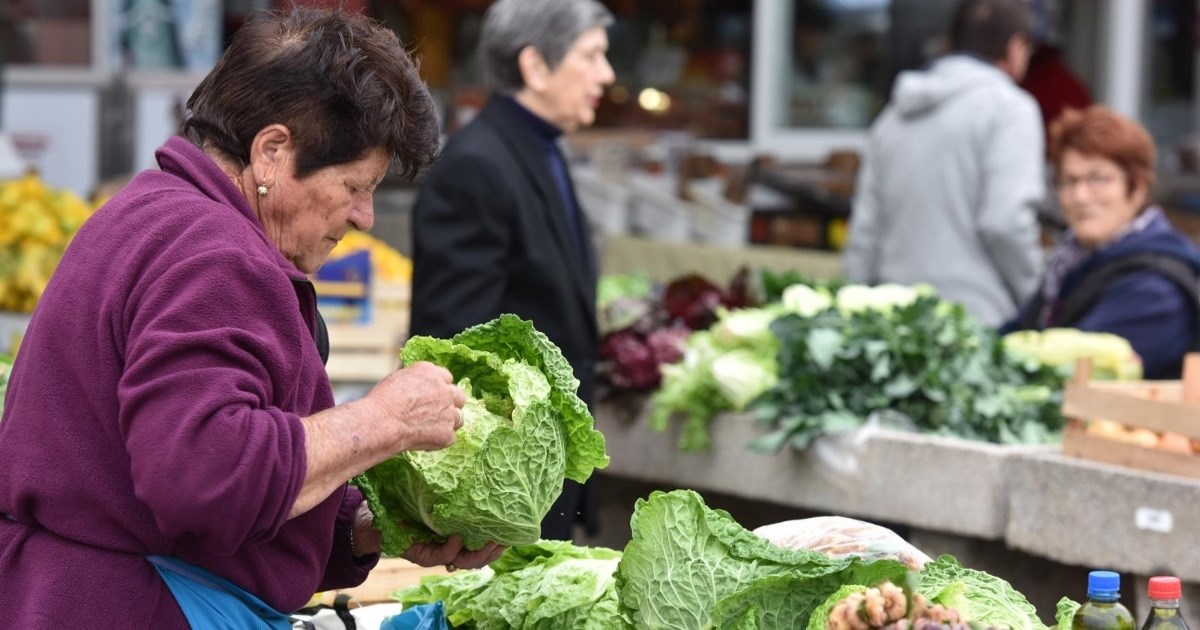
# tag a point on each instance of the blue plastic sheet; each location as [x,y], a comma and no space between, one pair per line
[424,617]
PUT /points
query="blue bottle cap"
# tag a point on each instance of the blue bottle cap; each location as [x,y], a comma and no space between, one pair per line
[1103,583]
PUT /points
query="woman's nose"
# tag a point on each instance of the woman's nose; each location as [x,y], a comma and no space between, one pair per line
[363,216]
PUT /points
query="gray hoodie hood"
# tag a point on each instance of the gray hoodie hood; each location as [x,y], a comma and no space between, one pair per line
[919,92]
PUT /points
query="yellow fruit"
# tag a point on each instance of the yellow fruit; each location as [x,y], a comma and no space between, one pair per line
[386,262]
[1143,437]
[36,223]
[1107,429]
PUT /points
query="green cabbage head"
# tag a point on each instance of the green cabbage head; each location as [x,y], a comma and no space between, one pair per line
[524,431]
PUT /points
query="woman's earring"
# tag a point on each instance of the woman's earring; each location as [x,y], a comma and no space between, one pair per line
[262,190]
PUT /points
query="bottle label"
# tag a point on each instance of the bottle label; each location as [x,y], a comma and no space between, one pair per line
[1153,520]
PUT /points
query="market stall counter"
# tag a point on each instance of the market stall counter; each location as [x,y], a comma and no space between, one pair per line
[1094,514]
[964,484]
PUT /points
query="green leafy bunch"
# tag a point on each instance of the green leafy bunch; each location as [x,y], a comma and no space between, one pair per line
[926,359]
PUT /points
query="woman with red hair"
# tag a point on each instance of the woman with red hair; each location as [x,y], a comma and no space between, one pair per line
[1121,268]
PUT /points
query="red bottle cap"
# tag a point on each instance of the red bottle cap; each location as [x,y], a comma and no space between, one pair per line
[1165,588]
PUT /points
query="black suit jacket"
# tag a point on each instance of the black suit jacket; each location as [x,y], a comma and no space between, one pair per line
[491,236]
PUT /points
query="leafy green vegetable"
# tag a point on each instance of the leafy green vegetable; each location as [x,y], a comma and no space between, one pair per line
[547,585]
[909,352]
[805,300]
[774,284]
[689,387]
[691,567]
[612,287]
[981,596]
[723,369]
[1065,612]
[812,365]
[743,375]
[456,590]
[884,298]
[524,430]
[1113,358]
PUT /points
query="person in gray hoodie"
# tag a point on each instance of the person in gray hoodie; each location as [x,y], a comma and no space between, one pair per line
[953,170]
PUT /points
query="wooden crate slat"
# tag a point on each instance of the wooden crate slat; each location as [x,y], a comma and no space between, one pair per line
[1168,391]
[1088,402]
[1077,443]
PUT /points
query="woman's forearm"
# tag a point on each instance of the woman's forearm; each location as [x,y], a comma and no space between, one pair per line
[340,443]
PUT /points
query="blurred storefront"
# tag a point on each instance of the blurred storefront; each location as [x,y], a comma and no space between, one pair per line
[92,87]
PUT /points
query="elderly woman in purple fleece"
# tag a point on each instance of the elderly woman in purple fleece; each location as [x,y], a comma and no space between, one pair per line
[1121,268]
[172,455]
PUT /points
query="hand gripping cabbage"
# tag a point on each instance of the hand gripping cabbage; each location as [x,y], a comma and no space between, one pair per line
[524,431]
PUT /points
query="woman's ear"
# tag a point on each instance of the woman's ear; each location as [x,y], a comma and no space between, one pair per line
[270,151]
[1139,194]
[534,70]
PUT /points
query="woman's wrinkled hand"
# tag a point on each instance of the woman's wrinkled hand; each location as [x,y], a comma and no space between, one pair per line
[452,555]
[423,399]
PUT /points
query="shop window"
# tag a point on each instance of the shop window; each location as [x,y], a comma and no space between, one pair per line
[46,32]
[681,65]
[1170,108]
[838,71]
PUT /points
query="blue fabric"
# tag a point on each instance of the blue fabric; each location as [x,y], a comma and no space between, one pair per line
[424,617]
[1145,307]
[212,603]
[1158,237]
[1153,314]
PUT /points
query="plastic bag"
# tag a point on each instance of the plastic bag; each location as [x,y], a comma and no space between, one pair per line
[839,453]
[838,537]
[423,617]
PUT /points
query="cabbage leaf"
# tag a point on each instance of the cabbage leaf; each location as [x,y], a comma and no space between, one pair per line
[692,567]
[524,431]
[550,585]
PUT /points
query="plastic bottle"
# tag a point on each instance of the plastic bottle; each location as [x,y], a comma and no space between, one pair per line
[1102,611]
[1164,605]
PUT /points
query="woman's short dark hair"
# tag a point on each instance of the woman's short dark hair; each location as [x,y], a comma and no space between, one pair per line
[984,27]
[340,82]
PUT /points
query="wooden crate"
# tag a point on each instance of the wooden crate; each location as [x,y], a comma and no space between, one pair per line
[1155,405]
[362,354]
[368,352]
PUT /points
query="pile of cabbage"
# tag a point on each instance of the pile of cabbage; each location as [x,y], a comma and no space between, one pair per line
[690,567]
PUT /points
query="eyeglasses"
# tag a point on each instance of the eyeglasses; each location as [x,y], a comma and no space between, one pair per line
[1093,181]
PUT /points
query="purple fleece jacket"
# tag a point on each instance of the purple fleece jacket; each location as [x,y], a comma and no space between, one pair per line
[155,408]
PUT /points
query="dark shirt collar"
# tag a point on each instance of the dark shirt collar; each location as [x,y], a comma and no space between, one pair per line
[541,128]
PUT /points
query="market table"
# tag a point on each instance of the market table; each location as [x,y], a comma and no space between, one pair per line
[988,504]
[969,479]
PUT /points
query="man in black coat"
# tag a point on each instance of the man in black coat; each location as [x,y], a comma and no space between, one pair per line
[497,227]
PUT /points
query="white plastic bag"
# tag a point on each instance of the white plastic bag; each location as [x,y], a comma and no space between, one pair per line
[838,537]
